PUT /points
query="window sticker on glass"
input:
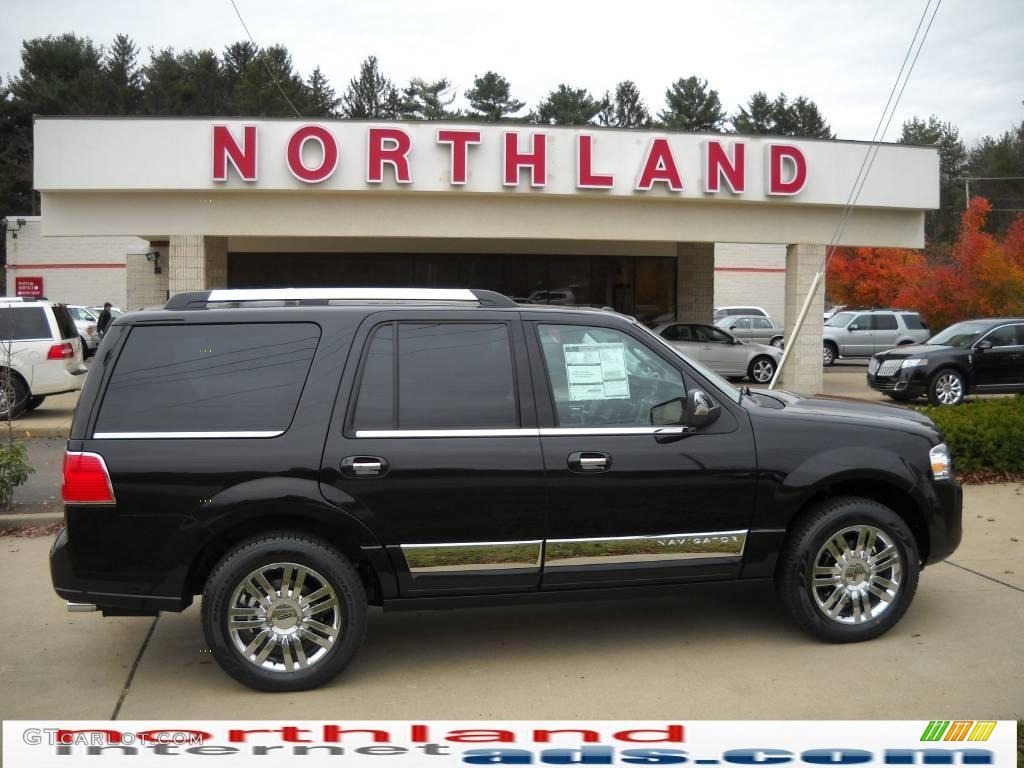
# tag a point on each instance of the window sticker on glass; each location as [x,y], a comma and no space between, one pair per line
[596,371]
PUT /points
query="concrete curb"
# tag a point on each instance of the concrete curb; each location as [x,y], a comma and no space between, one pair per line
[30,520]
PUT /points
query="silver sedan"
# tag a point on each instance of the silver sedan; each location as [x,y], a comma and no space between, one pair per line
[763,330]
[721,351]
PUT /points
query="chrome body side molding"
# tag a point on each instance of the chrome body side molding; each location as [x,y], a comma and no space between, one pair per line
[424,559]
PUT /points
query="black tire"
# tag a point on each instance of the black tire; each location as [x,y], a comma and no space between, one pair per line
[776,342]
[761,369]
[805,549]
[829,354]
[323,563]
[947,387]
[17,394]
[34,402]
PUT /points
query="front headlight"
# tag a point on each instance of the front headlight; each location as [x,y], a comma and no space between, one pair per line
[914,362]
[942,465]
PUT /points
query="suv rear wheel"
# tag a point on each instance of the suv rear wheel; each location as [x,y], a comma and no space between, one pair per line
[284,612]
[848,571]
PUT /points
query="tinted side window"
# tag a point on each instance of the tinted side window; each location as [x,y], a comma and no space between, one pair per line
[209,378]
[1003,337]
[375,403]
[455,375]
[23,323]
[743,324]
[885,322]
[913,322]
[65,323]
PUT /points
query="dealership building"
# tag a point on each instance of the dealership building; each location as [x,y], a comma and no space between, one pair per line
[566,215]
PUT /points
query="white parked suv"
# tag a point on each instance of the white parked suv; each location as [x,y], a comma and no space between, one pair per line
[41,350]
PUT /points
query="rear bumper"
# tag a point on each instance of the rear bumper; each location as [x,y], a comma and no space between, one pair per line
[106,596]
[59,382]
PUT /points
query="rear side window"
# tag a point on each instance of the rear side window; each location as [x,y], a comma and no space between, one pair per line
[209,378]
[25,323]
[447,376]
[65,323]
[913,322]
[885,322]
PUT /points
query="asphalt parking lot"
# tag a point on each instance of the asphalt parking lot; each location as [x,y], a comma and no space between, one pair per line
[711,652]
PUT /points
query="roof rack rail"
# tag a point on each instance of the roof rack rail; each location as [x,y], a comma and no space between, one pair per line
[321,296]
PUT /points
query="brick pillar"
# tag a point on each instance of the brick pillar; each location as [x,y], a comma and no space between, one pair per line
[803,371]
[695,282]
[197,263]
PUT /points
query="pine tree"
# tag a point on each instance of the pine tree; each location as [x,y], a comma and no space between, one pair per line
[371,95]
[626,109]
[757,117]
[430,100]
[323,102]
[490,98]
[568,106]
[124,76]
[691,106]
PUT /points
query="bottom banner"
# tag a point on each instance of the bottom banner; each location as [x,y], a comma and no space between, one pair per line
[445,743]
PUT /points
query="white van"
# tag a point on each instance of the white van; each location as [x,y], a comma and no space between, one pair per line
[40,353]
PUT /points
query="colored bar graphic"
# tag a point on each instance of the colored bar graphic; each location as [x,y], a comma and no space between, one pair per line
[958,730]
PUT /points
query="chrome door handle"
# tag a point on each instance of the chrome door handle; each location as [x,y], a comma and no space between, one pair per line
[589,461]
[363,466]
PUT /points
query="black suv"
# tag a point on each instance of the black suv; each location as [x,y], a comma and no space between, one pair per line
[982,356]
[297,455]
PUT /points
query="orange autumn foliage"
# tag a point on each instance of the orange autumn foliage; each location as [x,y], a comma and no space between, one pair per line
[983,277]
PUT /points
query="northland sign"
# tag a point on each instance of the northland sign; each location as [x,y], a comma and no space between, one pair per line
[172,155]
[388,150]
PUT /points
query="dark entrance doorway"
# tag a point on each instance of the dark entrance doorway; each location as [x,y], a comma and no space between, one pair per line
[642,286]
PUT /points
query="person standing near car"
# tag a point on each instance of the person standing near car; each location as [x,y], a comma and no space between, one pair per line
[103,321]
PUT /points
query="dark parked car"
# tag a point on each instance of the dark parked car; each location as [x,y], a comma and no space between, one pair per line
[297,455]
[982,356]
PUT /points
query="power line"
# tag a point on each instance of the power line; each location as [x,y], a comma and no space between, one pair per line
[862,174]
[263,56]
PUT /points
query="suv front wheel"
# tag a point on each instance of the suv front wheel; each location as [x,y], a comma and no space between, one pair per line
[848,571]
[284,612]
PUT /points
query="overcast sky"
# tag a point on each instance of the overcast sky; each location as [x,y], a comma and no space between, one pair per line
[844,55]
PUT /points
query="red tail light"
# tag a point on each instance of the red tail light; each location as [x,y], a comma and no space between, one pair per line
[63,351]
[86,480]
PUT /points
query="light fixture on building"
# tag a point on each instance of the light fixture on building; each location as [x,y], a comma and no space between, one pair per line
[19,223]
[154,256]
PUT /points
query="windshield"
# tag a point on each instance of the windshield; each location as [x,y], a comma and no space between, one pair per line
[724,321]
[726,388]
[960,334]
[840,319]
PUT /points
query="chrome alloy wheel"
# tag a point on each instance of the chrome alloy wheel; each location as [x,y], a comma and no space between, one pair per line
[762,371]
[827,355]
[949,389]
[284,617]
[857,575]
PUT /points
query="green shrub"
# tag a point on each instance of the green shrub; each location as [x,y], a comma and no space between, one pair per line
[983,435]
[14,470]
